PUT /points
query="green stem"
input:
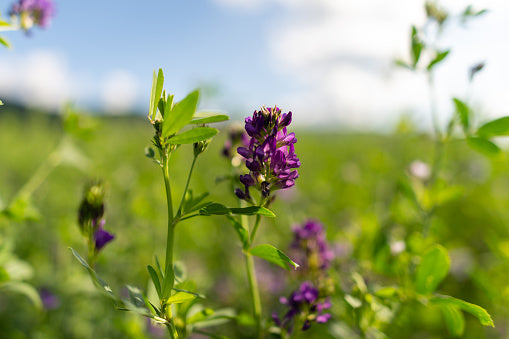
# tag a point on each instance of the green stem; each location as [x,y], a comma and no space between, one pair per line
[179,211]
[255,294]
[433,106]
[171,226]
[255,228]
[172,331]
[42,172]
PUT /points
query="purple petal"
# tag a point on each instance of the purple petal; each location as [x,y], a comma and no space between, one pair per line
[101,238]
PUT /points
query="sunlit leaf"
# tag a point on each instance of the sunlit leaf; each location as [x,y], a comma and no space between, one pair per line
[155,279]
[219,209]
[484,146]
[100,284]
[208,118]
[273,255]
[438,58]
[432,269]
[155,94]
[477,311]
[5,42]
[497,127]
[180,297]
[417,46]
[180,115]
[193,135]
[463,112]
[454,319]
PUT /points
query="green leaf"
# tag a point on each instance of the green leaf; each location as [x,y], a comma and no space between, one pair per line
[192,203]
[135,296]
[168,282]
[200,316]
[497,127]
[180,115]
[193,135]
[454,319]
[432,270]
[219,209]
[208,118]
[241,231]
[353,301]
[403,64]
[155,94]
[215,209]
[98,282]
[1,103]
[463,112]
[438,58]
[386,292]
[155,280]
[417,46]
[180,297]
[25,289]
[273,255]
[477,311]
[219,317]
[484,146]
[253,210]
[5,42]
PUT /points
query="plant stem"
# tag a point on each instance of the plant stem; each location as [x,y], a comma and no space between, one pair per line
[179,211]
[171,227]
[52,161]
[255,294]
[255,228]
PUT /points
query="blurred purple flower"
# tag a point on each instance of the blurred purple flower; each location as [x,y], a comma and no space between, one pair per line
[33,12]
[270,154]
[102,237]
[303,304]
[49,300]
[311,247]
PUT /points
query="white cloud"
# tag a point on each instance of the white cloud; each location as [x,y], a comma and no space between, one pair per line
[40,78]
[341,53]
[43,78]
[119,91]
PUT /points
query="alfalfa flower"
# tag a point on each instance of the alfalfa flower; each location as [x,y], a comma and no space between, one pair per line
[270,154]
[33,12]
[311,247]
[305,306]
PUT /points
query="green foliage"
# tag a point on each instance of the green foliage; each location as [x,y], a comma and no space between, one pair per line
[497,127]
[432,270]
[475,310]
[273,255]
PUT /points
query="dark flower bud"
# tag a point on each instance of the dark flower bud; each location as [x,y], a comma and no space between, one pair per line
[200,147]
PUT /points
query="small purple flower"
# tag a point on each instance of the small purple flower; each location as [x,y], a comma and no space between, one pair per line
[102,237]
[303,304]
[49,300]
[33,12]
[270,153]
[311,246]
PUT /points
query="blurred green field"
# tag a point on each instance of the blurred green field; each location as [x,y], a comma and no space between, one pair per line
[349,181]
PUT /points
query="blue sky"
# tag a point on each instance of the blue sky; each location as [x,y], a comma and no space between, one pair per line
[326,60]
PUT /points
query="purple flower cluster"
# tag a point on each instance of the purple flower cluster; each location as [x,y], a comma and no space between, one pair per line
[270,155]
[311,247]
[33,12]
[303,304]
